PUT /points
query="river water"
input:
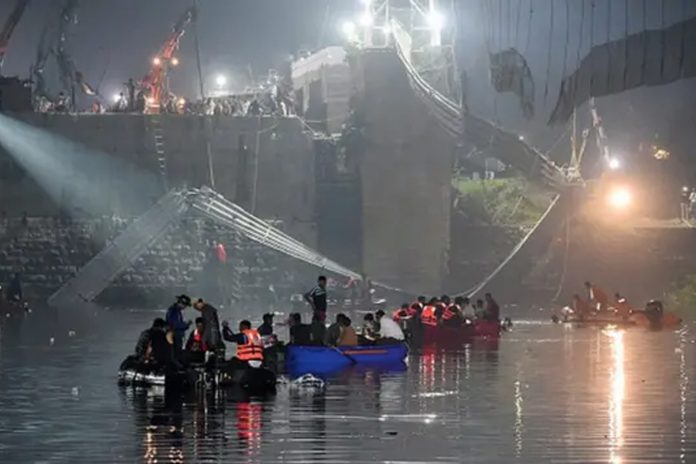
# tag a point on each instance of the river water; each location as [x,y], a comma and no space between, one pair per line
[544,393]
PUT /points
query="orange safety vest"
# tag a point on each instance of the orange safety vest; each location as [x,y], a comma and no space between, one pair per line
[448,313]
[198,339]
[428,316]
[253,348]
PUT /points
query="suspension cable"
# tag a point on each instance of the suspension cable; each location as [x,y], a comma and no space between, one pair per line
[548,55]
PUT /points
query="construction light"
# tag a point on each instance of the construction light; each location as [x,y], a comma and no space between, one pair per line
[348,29]
[387,29]
[116,97]
[156,61]
[366,2]
[436,21]
[614,163]
[620,198]
[366,20]
[150,101]
[221,80]
[175,61]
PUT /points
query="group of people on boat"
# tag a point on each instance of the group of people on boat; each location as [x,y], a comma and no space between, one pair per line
[445,312]
[162,345]
[377,329]
[597,303]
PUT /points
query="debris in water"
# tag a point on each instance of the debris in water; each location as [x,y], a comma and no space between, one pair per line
[71,333]
[308,381]
[75,391]
[51,340]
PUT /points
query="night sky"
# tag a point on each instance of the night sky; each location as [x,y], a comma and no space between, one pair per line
[117,39]
[121,36]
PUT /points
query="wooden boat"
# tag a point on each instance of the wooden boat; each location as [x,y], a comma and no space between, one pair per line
[653,317]
[322,359]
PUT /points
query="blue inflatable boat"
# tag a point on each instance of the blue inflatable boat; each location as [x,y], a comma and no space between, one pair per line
[322,359]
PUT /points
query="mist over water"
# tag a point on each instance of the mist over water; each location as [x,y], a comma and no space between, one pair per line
[543,393]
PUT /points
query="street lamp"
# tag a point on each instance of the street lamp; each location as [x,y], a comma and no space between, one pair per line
[614,163]
[436,21]
[348,29]
[175,61]
[221,80]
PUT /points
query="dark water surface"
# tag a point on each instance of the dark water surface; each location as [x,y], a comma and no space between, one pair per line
[544,393]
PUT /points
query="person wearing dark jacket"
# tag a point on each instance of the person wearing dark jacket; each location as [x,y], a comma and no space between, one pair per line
[211,331]
[152,346]
[266,328]
[175,321]
[14,289]
[300,334]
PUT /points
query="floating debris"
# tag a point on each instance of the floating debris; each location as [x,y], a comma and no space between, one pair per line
[309,381]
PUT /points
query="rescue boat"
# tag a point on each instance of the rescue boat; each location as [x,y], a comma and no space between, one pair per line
[450,336]
[254,378]
[653,317]
[323,359]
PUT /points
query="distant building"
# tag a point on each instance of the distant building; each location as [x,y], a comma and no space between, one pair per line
[322,87]
[15,95]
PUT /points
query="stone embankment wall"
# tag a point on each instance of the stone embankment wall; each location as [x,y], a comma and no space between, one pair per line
[48,253]
[265,164]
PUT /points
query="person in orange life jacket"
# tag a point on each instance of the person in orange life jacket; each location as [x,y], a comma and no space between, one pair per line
[419,304]
[195,347]
[248,340]
[623,308]
[440,307]
[404,312]
[429,316]
[452,315]
[195,340]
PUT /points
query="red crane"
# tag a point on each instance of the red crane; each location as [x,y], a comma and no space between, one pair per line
[9,27]
[154,83]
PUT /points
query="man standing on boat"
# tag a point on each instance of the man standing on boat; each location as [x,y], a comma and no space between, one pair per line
[317,299]
[597,297]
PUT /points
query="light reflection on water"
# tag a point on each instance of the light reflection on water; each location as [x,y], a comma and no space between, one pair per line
[544,393]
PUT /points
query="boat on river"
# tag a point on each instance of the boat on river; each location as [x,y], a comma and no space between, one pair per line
[451,336]
[252,378]
[653,317]
[323,359]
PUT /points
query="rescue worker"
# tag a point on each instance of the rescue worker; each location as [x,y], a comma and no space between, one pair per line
[14,289]
[622,307]
[153,348]
[441,306]
[211,329]
[300,333]
[419,304]
[266,328]
[175,321]
[492,312]
[580,307]
[402,313]
[317,298]
[333,333]
[452,315]
[467,309]
[428,316]
[597,297]
[248,340]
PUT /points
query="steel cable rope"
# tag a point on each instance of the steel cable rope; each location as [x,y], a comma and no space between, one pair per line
[518,14]
[549,50]
[608,76]
[567,38]
[564,270]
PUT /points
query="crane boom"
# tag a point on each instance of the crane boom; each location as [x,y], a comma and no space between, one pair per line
[9,27]
[153,83]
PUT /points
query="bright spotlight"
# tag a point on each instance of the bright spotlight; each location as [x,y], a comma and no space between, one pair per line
[116,97]
[366,20]
[366,2]
[436,20]
[175,61]
[221,80]
[614,164]
[387,29]
[156,61]
[348,29]
[620,198]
